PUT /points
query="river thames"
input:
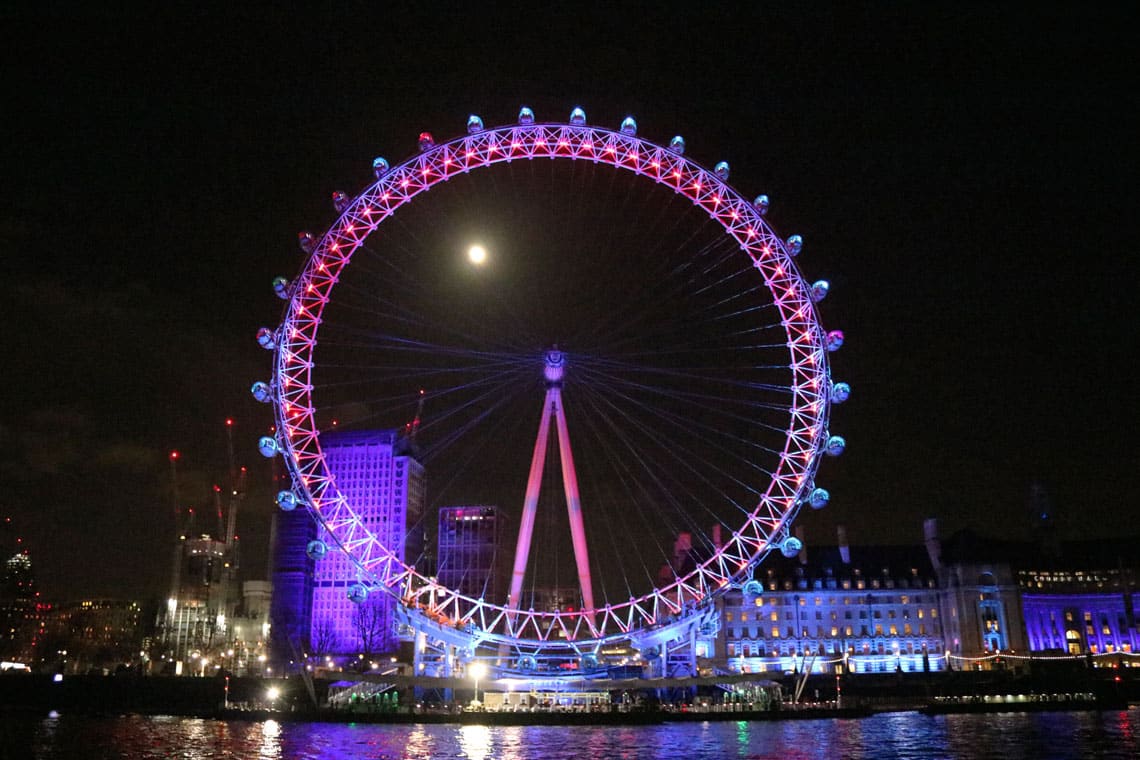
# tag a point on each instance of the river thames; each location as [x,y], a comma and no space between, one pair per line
[1109,734]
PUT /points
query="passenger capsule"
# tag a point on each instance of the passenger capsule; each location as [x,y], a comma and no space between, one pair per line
[265,339]
[629,126]
[527,662]
[287,500]
[834,340]
[316,550]
[267,445]
[357,593]
[261,392]
[721,170]
[761,204]
[840,392]
[474,125]
[677,145]
[819,290]
[753,588]
[341,201]
[835,445]
[426,141]
[791,546]
[526,116]
[379,167]
[307,242]
[281,288]
[819,498]
[795,244]
[588,662]
[577,117]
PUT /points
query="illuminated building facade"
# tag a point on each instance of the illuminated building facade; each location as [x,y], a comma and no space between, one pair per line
[835,609]
[384,482]
[1080,599]
[980,597]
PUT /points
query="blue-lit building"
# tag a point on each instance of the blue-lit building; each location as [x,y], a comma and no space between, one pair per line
[834,609]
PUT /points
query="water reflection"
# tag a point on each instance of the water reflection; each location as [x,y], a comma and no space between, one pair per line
[475,742]
[899,736]
[270,739]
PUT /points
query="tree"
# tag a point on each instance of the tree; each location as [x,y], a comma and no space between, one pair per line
[368,620]
[323,638]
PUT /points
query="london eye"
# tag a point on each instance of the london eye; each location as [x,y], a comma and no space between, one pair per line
[593,332]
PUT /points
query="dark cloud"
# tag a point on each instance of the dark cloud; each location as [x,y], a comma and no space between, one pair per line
[964,176]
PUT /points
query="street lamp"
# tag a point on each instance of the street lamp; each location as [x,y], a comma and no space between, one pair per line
[477,671]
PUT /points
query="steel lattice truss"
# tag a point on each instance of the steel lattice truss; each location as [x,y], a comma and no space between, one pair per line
[298,438]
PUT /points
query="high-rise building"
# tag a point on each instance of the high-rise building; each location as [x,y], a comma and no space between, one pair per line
[291,608]
[203,600]
[384,483]
[468,551]
[21,618]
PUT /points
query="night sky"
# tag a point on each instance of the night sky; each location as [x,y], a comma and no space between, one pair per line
[965,176]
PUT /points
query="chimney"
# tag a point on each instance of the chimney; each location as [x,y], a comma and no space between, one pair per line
[844,549]
[933,543]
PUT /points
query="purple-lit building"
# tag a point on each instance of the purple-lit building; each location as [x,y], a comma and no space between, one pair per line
[1045,596]
[1080,623]
[1080,598]
[385,485]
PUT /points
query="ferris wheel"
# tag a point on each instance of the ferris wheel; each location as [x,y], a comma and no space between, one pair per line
[627,298]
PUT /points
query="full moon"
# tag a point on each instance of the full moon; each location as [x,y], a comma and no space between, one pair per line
[477,254]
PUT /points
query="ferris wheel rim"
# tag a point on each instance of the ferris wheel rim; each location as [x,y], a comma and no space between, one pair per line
[298,438]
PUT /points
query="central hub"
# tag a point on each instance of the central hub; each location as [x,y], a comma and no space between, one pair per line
[554,364]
